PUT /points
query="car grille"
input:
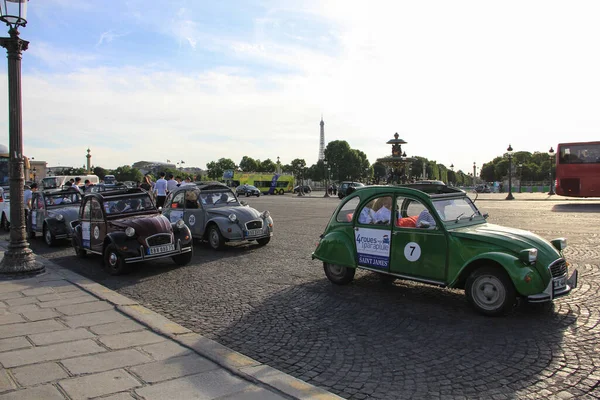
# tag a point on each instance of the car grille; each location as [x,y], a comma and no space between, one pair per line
[558,268]
[157,240]
[254,225]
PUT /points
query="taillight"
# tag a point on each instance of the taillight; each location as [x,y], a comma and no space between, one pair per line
[1,199]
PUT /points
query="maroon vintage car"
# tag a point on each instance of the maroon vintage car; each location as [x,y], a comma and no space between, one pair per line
[124,226]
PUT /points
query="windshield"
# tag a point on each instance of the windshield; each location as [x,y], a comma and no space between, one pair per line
[456,210]
[49,183]
[218,198]
[61,199]
[129,204]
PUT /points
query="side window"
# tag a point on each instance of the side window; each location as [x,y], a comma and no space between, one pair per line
[409,211]
[367,213]
[96,210]
[87,209]
[383,210]
[178,200]
[39,202]
[347,211]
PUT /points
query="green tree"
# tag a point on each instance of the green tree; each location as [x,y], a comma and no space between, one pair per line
[248,164]
[298,165]
[101,172]
[267,166]
[127,173]
[215,169]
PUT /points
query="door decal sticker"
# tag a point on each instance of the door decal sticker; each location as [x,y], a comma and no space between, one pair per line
[373,247]
[412,251]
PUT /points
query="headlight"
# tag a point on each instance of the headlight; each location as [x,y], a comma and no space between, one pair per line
[560,244]
[528,256]
[59,217]
[232,217]
[180,224]
[265,214]
[130,231]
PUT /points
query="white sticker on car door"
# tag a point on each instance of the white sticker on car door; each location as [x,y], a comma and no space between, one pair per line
[175,216]
[412,251]
[85,233]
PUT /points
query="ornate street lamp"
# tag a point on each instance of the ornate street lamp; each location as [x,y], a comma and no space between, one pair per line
[452,169]
[326,178]
[520,175]
[551,154]
[18,258]
[509,150]
[474,172]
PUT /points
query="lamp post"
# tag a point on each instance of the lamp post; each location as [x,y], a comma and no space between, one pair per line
[520,176]
[510,155]
[551,154]
[326,178]
[452,169]
[18,258]
[474,172]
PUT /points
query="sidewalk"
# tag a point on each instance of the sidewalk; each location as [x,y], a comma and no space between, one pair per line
[63,336]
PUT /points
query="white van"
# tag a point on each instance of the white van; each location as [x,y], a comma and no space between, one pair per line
[52,182]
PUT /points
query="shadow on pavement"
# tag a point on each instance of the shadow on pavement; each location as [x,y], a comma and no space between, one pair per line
[404,340]
[577,207]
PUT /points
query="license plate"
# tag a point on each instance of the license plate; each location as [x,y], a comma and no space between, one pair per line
[161,249]
[254,232]
[559,283]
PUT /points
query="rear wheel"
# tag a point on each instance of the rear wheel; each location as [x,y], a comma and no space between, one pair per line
[339,274]
[281,192]
[490,291]
[215,239]
[113,261]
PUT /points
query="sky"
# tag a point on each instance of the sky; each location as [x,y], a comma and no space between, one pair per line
[197,80]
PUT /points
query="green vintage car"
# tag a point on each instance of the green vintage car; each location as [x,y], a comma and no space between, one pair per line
[436,235]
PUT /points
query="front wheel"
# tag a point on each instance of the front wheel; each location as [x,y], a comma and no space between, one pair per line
[263,241]
[215,239]
[490,291]
[339,274]
[79,251]
[113,261]
[49,237]
[281,192]
[183,258]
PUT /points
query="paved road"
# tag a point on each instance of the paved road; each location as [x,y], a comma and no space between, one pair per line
[366,340]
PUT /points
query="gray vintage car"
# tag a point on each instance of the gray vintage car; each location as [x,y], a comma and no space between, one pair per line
[214,213]
[51,214]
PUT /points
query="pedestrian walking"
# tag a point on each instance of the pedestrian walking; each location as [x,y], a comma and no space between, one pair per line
[160,189]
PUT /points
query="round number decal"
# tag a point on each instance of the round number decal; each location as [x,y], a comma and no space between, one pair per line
[192,220]
[96,232]
[412,251]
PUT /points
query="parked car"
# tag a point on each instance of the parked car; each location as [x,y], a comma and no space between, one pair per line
[305,189]
[247,190]
[125,227]
[346,187]
[482,189]
[52,212]
[215,214]
[442,239]
[429,182]
[5,208]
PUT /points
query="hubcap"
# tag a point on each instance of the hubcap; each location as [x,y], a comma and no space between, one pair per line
[214,238]
[336,270]
[48,236]
[112,259]
[488,292]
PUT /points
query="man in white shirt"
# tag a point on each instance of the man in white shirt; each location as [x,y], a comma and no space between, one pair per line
[171,184]
[160,188]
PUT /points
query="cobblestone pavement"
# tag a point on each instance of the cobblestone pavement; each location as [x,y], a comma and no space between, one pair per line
[367,340]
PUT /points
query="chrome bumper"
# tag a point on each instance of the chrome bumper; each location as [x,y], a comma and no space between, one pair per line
[549,293]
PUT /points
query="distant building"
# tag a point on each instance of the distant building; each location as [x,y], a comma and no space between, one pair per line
[152,167]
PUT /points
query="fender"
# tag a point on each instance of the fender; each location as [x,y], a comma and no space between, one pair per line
[514,268]
[184,234]
[57,227]
[338,248]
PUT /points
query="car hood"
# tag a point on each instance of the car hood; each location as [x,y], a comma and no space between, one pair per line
[70,213]
[144,225]
[512,239]
[243,213]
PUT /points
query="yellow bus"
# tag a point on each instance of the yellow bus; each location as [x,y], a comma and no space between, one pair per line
[266,183]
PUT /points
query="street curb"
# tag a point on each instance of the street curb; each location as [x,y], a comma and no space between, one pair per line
[236,363]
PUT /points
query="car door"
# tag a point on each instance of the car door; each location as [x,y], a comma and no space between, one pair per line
[32,219]
[98,227]
[175,206]
[372,233]
[193,213]
[86,213]
[418,252]
[37,201]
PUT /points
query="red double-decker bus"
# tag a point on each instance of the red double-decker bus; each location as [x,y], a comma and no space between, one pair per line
[578,169]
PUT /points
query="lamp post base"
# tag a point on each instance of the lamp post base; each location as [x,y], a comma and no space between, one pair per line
[20,260]
[509,197]
[551,192]
[326,194]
